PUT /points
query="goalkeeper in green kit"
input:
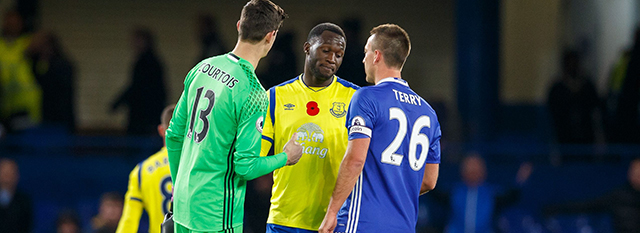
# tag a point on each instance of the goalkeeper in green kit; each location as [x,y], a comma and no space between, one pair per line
[214,137]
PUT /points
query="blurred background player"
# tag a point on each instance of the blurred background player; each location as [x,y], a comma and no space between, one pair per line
[389,124]
[16,211]
[313,105]
[213,139]
[149,187]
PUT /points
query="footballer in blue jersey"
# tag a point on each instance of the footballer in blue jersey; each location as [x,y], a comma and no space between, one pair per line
[398,135]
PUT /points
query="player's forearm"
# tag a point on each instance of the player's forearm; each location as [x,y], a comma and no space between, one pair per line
[131,214]
[251,167]
[350,170]
[174,151]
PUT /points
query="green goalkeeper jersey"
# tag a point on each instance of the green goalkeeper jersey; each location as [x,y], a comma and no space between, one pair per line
[213,142]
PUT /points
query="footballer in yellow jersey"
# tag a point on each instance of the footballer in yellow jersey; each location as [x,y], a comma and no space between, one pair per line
[314,106]
[149,187]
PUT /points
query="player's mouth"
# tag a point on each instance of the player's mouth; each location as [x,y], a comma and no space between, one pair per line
[327,68]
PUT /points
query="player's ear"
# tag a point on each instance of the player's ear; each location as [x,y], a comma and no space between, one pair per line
[377,56]
[306,47]
[161,130]
[271,36]
[238,26]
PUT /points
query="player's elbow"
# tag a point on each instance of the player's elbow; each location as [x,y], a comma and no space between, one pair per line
[244,174]
[355,162]
[427,185]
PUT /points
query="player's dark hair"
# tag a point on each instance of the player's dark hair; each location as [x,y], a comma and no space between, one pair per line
[393,42]
[258,18]
[166,115]
[320,28]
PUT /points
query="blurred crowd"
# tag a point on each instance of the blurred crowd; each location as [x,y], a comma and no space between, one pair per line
[581,116]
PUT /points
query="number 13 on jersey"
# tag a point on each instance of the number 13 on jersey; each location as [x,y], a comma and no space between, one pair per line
[416,138]
[199,136]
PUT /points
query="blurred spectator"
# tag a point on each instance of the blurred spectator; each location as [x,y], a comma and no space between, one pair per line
[21,97]
[282,61]
[16,214]
[627,112]
[68,222]
[352,68]
[622,203]
[145,96]
[56,76]
[109,213]
[29,11]
[210,39]
[616,80]
[573,102]
[475,203]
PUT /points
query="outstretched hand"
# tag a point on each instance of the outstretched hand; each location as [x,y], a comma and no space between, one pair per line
[293,150]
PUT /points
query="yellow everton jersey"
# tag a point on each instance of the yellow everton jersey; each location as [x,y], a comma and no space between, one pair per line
[149,188]
[301,193]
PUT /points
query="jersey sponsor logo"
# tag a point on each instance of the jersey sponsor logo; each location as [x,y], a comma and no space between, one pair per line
[260,124]
[312,108]
[311,133]
[289,106]
[338,109]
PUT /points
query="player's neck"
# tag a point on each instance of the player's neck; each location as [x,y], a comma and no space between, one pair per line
[250,52]
[383,73]
[313,81]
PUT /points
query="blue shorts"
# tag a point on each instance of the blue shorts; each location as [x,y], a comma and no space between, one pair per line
[273,228]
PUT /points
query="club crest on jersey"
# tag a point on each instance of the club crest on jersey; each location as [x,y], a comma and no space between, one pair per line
[260,124]
[338,109]
[289,106]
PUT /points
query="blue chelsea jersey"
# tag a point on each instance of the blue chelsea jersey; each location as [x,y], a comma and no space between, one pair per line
[405,134]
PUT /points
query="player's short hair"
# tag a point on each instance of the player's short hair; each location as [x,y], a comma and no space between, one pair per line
[393,42]
[166,115]
[320,28]
[258,18]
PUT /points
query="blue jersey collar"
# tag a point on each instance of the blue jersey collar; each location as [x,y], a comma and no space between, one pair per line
[393,79]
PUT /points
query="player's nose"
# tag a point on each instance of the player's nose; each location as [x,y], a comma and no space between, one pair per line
[331,58]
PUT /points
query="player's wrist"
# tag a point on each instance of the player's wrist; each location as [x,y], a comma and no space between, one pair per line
[289,162]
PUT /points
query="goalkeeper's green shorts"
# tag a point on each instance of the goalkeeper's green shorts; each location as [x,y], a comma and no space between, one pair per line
[182,229]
